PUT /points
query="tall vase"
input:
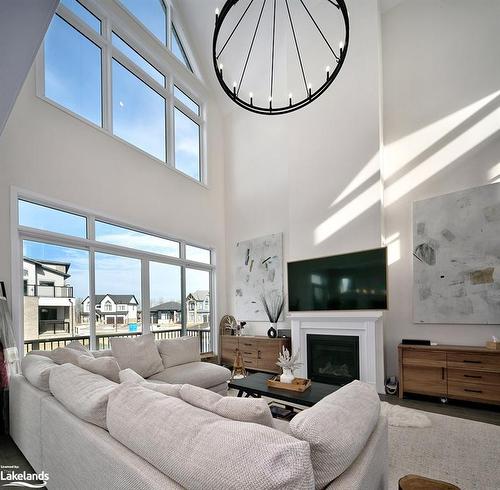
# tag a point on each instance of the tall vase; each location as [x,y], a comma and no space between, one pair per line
[272,333]
[287,376]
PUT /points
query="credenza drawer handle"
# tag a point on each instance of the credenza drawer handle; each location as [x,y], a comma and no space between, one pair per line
[472,391]
[248,353]
[472,376]
[248,345]
[468,361]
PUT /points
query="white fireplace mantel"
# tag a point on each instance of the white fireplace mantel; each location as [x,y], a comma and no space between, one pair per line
[366,324]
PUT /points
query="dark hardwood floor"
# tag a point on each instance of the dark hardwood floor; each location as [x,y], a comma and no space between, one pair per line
[11,456]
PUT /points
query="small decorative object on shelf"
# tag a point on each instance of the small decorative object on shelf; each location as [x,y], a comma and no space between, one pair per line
[493,344]
[273,307]
[239,370]
[289,364]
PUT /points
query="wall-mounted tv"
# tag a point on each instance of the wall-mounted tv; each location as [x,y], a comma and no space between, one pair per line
[354,281]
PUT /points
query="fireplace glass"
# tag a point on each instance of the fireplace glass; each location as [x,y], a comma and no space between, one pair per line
[333,359]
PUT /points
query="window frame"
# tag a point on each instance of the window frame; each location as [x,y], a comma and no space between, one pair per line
[19,233]
[116,18]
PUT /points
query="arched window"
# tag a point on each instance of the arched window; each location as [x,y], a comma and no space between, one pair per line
[107,306]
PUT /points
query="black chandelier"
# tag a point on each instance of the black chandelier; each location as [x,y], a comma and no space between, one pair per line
[278,17]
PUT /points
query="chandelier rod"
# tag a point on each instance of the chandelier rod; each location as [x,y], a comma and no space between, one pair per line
[272,60]
[333,3]
[296,45]
[251,46]
[235,27]
[319,29]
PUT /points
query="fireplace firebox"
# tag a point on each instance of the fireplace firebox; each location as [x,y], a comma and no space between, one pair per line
[333,359]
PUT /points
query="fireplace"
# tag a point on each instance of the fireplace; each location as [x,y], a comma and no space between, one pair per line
[333,359]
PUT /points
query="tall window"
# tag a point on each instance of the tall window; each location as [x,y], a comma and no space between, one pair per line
[142,282]
[73,70]
[117,79]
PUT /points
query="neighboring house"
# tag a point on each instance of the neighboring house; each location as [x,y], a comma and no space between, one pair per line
[48,299]
[166,313]
[198,307]
[112,309]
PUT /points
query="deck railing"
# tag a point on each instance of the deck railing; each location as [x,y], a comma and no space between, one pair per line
[102,340]
[48,291]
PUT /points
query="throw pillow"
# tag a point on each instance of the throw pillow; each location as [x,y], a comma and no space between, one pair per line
[65,355]
[84,394]
[105,366]
[255,410]
[36,369]
[129,376]
[77,345]
[337,429]
[179,351]
[139,354]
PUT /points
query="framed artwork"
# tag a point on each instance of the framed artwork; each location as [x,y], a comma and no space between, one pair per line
[258,271]
[456,257]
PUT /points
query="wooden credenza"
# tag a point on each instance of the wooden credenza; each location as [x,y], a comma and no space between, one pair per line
[259,353]
[450,371]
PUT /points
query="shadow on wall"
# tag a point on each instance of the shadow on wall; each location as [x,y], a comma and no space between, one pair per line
[430,150]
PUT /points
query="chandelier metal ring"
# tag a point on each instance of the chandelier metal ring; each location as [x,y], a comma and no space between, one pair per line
[309,94]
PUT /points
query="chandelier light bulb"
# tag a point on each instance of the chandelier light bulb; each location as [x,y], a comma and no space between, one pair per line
[341,45]
[217,12]
[234,87]
[251,98]
[290,98]
[221,66]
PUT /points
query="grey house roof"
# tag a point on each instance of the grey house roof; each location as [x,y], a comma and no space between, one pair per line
[168,306]
[199,295]
[119,299]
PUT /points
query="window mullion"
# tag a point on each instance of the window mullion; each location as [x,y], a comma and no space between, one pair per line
[145,297]
[170,123]
[183,301]
[107,78]
[92,326]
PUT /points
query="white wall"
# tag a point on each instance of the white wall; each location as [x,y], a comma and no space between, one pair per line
[22,27]
[47,151]
[283,173]
[440,61]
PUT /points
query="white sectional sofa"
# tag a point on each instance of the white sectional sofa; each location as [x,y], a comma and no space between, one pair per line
[88,432]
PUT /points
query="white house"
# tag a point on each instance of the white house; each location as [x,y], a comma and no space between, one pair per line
[198,307]
[112,309]
[48,298]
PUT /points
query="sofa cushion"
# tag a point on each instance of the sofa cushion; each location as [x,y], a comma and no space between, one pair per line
[104,366]
[65,355]
[77,345]
[174,352]
[84,394]
[200,450]
[102,353]
[139,354]
[129,376]
[202,374]
[44,353]
[36,370]
[254,410]
[337,429]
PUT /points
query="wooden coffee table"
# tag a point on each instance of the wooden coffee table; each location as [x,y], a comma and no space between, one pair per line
[255,385]
[415,482]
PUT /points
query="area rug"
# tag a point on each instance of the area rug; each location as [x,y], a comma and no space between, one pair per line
[458,451]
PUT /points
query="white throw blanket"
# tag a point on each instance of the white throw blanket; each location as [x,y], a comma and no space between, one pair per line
[398,416]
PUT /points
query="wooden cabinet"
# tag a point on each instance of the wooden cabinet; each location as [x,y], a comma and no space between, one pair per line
[459,372]
[259,353]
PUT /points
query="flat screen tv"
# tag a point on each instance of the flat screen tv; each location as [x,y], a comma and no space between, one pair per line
[354,281]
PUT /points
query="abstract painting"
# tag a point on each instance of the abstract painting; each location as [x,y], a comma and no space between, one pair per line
[456,257]
[258,271]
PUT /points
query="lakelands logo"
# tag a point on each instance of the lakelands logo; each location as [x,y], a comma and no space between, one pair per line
[22,479]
